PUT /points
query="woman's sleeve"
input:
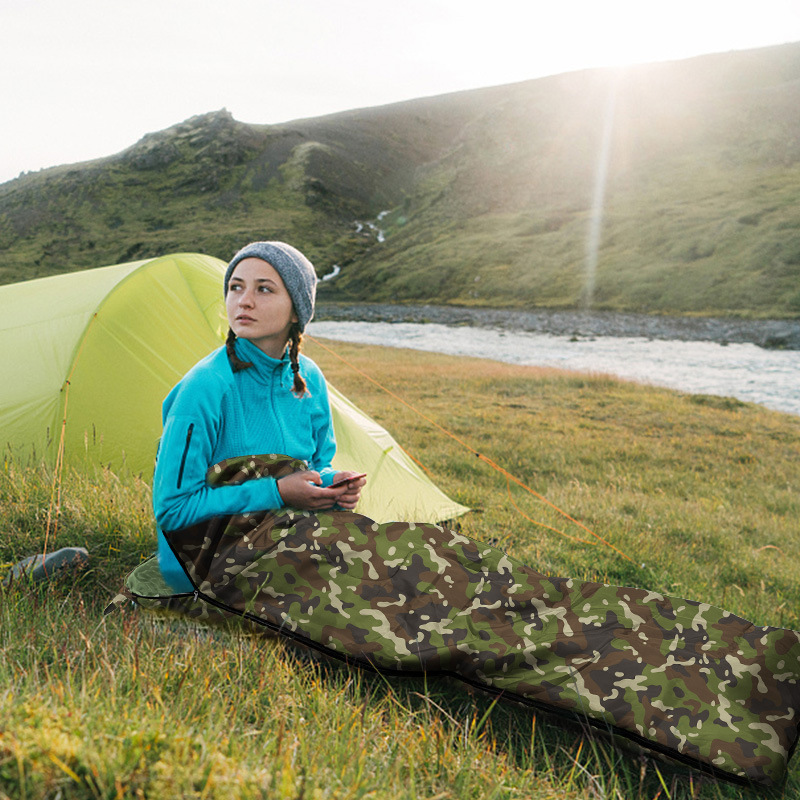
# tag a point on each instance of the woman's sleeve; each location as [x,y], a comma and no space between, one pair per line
[181,496]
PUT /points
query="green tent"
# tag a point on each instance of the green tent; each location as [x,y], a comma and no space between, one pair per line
[89,356]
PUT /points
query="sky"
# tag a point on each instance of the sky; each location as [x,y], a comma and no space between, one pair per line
[88,78]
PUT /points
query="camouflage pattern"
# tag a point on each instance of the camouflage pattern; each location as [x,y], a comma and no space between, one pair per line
[679,677]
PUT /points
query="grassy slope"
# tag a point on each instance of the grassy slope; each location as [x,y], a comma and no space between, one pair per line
[699,201]
[210,184]
[702,490]
[168,194]
[490,193]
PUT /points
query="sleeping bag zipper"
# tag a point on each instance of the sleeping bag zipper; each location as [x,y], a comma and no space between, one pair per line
[185,453]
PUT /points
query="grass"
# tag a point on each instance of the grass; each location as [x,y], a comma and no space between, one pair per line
[700,492]
[696,246]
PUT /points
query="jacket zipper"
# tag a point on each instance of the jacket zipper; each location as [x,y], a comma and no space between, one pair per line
[185,453]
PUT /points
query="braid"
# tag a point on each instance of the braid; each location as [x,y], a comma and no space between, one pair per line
[236,363]
[295,339]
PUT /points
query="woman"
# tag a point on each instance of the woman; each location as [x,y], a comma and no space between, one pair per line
[256,394]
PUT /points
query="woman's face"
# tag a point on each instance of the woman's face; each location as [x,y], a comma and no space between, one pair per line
[259,307]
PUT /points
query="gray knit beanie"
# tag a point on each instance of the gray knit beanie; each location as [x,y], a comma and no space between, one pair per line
[296,271]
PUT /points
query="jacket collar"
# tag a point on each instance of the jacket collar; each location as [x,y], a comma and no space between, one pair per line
[265,368]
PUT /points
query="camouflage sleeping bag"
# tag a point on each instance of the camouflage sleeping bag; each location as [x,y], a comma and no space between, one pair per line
[680,678]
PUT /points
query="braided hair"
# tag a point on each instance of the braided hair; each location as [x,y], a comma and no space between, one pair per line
[295,340]
[236,363]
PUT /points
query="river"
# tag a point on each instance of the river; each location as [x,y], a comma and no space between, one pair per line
[743,370]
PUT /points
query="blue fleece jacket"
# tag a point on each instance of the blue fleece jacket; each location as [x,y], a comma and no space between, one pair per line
[215,413]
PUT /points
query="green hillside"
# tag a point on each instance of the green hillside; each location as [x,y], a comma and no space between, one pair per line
[489,197]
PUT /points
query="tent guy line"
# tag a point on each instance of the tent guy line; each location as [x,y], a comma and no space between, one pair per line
[55,492]
[493,464]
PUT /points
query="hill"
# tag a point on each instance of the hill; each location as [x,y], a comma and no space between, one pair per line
[684,174]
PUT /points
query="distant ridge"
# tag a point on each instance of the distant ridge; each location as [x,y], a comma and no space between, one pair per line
[486,197]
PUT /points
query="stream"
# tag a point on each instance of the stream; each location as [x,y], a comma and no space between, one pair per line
[705,357]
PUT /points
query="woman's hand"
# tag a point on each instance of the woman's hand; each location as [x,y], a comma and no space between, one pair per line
[304,490]
[351,491]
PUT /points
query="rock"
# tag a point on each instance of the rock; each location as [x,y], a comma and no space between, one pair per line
[783,334]
[43,567]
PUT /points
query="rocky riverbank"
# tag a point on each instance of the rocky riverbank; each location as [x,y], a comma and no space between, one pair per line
[774,334]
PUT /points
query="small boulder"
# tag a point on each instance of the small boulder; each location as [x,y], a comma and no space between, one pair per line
[42,567]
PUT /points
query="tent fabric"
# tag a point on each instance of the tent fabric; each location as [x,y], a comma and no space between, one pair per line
[101,348]
[682,679]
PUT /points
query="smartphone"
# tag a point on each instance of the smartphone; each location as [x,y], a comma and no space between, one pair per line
[342,482]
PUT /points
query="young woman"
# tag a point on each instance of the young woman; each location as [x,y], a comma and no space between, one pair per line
[257,394]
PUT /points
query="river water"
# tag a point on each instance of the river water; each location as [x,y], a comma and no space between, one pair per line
[744,371]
